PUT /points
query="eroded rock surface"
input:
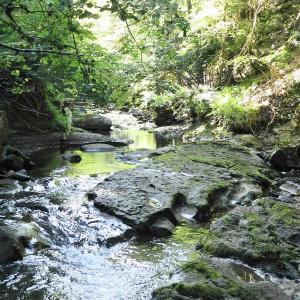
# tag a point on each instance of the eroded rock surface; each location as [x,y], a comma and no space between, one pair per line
[190,182]
[265,235]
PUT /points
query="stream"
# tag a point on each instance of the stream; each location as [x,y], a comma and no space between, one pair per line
[67,256]
[74,265]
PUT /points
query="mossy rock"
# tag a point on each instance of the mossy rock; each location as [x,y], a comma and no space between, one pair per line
[208,280]
[264,235]
[196,178]
[219,154]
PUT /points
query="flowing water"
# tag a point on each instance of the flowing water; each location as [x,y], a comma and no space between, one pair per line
[74,265]
[66,257]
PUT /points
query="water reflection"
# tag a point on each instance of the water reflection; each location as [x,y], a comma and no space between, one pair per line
[142,139]
[50,162]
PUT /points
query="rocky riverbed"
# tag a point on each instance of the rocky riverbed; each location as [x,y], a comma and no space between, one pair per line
[142,216]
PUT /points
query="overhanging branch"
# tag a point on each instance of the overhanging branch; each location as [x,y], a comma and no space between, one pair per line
[38,50]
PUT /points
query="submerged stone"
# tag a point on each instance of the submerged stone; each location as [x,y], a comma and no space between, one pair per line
[11,245]
[73,158]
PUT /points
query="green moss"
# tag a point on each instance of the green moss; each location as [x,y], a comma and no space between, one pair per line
[218,154]
[187,234]
[206,241]
[237,290]
[254,221]
[281,212]
[200,267]
[172,160]
[217,186]
[203,290]
[264,239]
[227,219]
[214,161]
[166,292]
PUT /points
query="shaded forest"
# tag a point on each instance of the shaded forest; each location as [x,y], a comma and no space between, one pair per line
[233,64]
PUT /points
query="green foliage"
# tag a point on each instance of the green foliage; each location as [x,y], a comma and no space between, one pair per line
[242,41]
[238,116]
[166,51]
[59,120]
[48,55]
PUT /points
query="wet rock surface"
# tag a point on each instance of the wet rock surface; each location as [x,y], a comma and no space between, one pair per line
[12,247]
[189,181]
[244,217]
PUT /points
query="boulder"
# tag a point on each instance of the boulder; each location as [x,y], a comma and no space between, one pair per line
[286,158]
[3,126]
[97,148]
[93,123]
[11,245]
[13,159]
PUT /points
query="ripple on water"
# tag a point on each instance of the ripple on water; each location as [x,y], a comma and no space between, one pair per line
[75,266]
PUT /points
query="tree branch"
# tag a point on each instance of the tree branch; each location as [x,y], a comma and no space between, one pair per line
[38,50]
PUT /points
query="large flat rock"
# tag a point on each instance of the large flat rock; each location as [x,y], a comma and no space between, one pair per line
[29,143]
[85,138]
[189,182]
